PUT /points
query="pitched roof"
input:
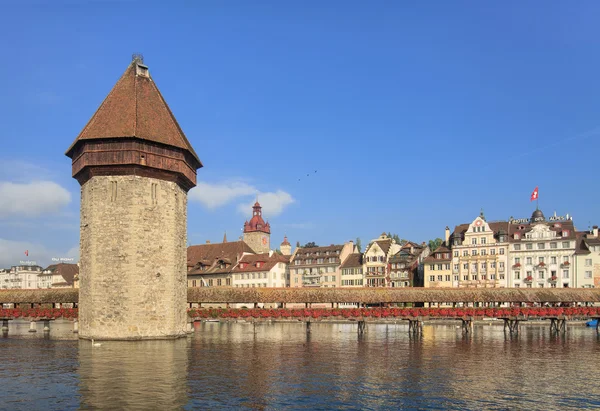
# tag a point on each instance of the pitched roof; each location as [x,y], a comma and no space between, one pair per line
[353,260]
[209,254]
[558,227]
[67,271]
[384,245]
[248,262]
[302,254]
[494,226]
[135,108]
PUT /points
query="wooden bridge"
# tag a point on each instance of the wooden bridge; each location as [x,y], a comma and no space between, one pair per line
[382,298]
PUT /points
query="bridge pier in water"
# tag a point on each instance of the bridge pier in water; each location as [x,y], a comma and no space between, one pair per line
[32,328]
[559,325]
[467,325]
[512,325]
[362,327]
[415,326]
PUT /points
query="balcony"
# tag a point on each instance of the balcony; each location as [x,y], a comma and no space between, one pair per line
[501,269]
[565,264]
[311,275]
[516,266]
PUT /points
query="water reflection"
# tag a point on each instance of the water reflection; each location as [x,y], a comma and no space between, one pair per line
[280,366]
[133,375]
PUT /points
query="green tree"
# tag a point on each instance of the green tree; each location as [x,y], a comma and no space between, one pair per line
[358,245]
[434,244]
[309,245]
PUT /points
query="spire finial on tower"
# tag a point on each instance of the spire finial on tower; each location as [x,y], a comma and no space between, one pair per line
[225,237]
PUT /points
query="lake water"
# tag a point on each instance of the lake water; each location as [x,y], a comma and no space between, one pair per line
[279,366]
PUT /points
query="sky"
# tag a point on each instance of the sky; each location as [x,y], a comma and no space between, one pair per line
[346,118]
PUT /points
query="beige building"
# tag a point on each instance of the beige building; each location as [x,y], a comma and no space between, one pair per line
[319,266]
[542,251]
[480,254]
[376,259]
[587,259]
[437,266]
[261,270]
[352,271]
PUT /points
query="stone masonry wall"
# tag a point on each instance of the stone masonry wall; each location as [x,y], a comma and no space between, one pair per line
[254,240]
[133,259]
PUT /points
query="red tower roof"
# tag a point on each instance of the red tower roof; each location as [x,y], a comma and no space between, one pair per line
[285,241]
[256,222]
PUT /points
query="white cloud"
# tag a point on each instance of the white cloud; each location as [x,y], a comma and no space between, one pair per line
[32,199]
[216,195]
[12,252]
[272,203]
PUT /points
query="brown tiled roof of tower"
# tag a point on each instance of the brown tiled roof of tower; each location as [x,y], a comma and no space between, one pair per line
[135,108]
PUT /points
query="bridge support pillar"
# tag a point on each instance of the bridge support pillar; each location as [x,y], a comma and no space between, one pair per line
[362,326]
[512,325]
[190,327]
[467,325]
[75,327]
[32,327]
[558,325]
[46,326]
[308,326]
[5,325]
[415,326]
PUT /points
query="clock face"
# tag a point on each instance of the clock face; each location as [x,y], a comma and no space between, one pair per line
[264,240]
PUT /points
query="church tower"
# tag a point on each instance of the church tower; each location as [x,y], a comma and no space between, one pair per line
[135,167]
[285,247]
[257,233]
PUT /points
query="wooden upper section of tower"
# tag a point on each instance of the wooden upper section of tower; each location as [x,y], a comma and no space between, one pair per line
[134,132]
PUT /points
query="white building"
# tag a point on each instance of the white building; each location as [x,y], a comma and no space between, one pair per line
[20,276]
[542,251]
[261,270]
[587,259]
[376,259]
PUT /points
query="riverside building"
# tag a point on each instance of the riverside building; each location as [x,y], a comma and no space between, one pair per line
[319,266]
[376,261]
[542,251]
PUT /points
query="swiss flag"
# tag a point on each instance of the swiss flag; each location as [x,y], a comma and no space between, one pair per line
[534,195]
[27,253]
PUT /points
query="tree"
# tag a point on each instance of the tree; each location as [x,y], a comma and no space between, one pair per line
[297,244]
[358,245]
[434,244]
[310,245]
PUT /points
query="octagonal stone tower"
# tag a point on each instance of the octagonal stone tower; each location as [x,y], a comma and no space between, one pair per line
[135,167]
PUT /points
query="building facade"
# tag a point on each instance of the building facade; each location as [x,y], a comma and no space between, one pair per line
[587,259]
[542,251]
[437,266]
[318,266]
[257,233]
[261,270]
[211,265]
[20,276]
[376,260]
[352,271]
[480,254]
[406,266]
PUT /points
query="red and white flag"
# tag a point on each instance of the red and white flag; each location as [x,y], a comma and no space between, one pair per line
[27,253]
[534,195]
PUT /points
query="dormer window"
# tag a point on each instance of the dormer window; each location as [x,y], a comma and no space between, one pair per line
[565,233]
[517,236]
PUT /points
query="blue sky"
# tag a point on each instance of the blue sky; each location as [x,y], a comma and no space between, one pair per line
[414,114]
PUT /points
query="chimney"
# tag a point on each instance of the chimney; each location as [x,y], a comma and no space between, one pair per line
[595,230]
[447,236]
[207,241]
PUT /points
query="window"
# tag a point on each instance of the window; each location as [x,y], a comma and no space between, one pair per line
[474,252]
[565,244]
[553,245]
[456,254]
[447,278]
[588,262]
[565,273]
[501,264]
[218,281]
[529,260]
[565,259]
[320,260]
[517,260]
[552,260]
[565,233]
[493,251]
[333,278]
[466,266]
[588,274]
[517,247]
[529,246]
[475,277]
[483,266]
[483,252]
[465,253]
[517,236]
[455,278]
[541,259]
[541,246]
[493,264]
[439,266]
[456,266]
[529,274]
[541,275]
[517,275]
[447,266]
[473,241]
[482,240]
[465,278]
[439,277]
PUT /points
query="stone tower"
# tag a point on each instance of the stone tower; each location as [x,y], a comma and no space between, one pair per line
[257,233]
[285,247]
[135,167]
